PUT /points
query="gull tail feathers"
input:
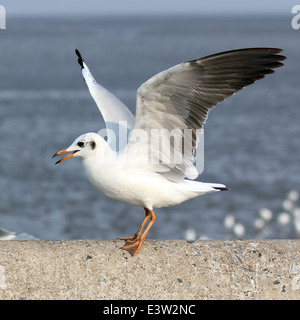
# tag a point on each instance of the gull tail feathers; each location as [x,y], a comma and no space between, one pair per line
[204,187]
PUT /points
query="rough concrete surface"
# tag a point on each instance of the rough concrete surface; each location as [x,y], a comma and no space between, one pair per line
[83,269]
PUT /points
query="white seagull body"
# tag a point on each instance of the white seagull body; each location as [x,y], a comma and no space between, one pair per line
[142,172]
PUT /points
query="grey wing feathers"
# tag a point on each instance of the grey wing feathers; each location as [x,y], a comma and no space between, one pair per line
[192,88]
[223,74]
[182,96]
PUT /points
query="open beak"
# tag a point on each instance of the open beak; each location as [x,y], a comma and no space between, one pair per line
[64,152]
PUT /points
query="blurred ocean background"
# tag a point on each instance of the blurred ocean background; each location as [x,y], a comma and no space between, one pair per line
[251,139]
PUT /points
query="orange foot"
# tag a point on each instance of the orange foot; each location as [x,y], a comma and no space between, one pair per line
[135,237]
[133,246]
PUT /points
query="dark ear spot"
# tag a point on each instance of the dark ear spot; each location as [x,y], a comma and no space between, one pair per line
[93,145]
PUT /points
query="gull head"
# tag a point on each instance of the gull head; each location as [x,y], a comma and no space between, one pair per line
[83,147]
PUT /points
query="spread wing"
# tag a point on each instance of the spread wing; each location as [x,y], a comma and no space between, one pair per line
[179,99]
[117,117]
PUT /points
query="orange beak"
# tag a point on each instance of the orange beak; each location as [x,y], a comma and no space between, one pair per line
[64,152]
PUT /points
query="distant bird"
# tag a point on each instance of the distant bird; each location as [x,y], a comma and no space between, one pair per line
[10,235]
[150,175]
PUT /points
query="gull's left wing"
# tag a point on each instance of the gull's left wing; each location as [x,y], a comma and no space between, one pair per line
[180,98]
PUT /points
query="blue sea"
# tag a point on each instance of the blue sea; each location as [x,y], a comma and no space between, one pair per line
[252,140]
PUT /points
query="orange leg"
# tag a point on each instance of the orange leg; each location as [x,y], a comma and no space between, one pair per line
[133,244]
[138,234]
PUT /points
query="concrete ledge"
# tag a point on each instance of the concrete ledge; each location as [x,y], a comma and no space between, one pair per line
[266,269]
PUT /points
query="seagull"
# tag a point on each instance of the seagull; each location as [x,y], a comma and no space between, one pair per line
[141,171]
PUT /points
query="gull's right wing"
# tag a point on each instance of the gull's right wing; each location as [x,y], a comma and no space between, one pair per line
[114,112]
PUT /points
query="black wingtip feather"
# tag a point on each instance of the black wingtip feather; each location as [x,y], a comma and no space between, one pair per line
[80,60]
[221,188]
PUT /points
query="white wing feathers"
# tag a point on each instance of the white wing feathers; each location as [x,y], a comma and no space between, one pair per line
[181,97]
[114,112]
[178,100]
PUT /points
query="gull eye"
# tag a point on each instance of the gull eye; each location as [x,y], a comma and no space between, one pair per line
[81,144]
